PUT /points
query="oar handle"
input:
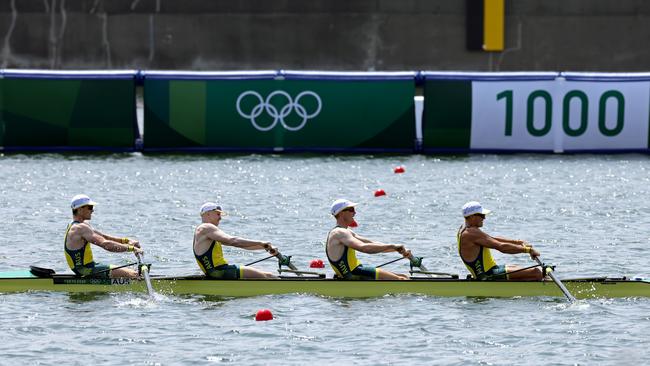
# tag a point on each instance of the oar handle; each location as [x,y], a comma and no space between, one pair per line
[269,248]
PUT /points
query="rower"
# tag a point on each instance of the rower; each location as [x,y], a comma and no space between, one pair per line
[474,249]
[78,237]
[208,239]
[342,244]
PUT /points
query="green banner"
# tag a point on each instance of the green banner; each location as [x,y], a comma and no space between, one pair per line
[68,111]
[2,119]
[300,114]
[447,119]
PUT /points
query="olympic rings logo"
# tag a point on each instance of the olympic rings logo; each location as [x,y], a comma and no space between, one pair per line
[278,116]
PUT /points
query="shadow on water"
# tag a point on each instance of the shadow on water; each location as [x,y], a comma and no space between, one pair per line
[82,297]
[210,301]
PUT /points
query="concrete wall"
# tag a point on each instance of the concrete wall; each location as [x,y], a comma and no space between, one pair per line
[577,35]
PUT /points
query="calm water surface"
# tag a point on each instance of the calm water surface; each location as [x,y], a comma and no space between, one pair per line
[587,214]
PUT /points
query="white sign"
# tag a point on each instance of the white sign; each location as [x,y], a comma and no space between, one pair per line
[560,115]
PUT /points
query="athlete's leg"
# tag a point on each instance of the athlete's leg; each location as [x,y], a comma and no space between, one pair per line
[386,275]
[530,274]
[250,272]
[124,272]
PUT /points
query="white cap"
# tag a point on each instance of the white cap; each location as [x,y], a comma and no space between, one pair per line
[340,205]
[211,206]
[81,200]
[473,208]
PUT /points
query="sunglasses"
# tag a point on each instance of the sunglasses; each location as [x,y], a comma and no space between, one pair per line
[480,215]
[90,208]
[349,209]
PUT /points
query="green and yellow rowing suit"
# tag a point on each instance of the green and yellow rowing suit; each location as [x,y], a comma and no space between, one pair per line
[214,265]
[348,267]
[81,260]
[483,267]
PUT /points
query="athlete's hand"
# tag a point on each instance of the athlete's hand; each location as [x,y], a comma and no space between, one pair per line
[403,251]
[135,243]
[534,253]
[270,248]
[137,250]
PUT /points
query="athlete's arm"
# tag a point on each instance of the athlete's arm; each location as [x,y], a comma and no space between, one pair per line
[361,238]
[480,238]
[349,239]
[110,243]
[123,240]
[388,247]
[235,241]
[511,241]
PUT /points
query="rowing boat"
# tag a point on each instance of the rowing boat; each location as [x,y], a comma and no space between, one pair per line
[451,286]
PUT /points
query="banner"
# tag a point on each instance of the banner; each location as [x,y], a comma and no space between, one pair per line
[512,115]
[542,112]
[604,112]
[2,122]
[58,110]
[271,111]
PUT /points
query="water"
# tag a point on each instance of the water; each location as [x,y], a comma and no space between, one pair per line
[587,214]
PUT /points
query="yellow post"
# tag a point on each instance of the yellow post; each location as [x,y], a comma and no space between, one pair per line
[493,25]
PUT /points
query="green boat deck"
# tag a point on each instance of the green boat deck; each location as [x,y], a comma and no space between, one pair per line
[22,281]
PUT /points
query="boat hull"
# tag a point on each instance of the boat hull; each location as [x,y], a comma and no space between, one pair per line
[580,288]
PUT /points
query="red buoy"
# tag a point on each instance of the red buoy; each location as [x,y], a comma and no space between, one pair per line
[316,263]
[399,169]
[380,192]
[263,315]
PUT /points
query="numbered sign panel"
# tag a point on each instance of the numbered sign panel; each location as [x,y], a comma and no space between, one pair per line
[560,115]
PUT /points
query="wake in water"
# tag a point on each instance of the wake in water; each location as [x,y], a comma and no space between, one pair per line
[140,301]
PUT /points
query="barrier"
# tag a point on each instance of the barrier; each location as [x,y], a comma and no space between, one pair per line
[272,111]
[2,123]
[603,112]
[68,110]
[455,104]
[536,112]
[279,111]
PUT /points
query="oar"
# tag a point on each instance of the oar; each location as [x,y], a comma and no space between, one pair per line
[110,269]
[414,261]
[393,261]
[284,260]
[259,260]
[417,262]
[145,271]
[557,282]
[266,246]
